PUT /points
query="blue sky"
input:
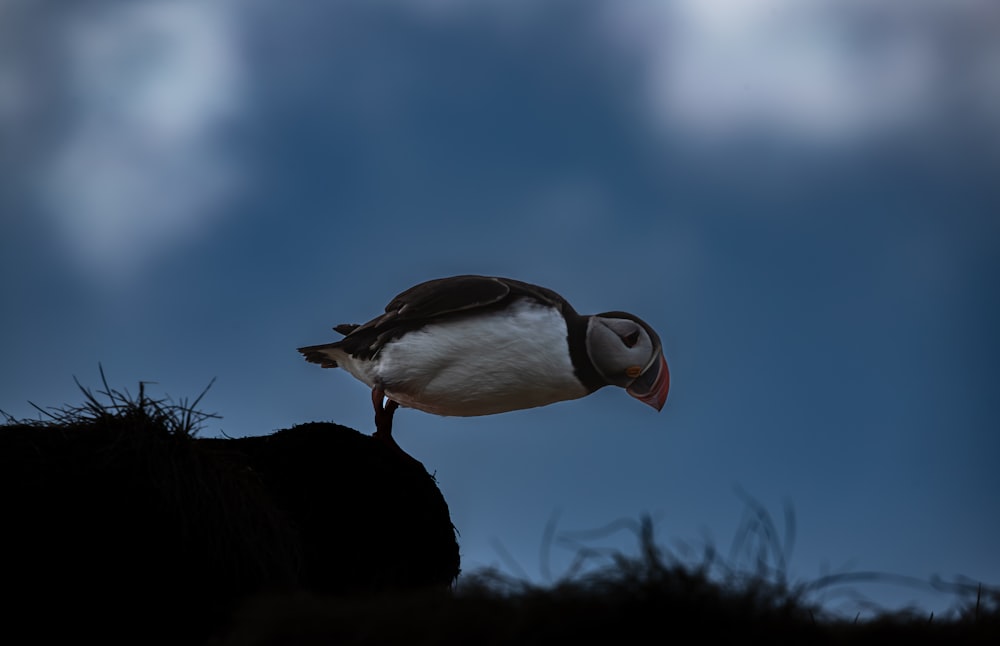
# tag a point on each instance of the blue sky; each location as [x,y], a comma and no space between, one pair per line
[800,197]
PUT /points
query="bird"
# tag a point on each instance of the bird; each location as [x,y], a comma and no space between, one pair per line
[474,345]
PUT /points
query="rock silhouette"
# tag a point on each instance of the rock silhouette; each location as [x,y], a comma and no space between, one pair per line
[118,520]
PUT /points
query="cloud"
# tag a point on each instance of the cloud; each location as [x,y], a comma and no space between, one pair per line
[819,70]
[147,87]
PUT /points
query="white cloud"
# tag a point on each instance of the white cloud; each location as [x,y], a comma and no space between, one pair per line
[817,69]
[138,170]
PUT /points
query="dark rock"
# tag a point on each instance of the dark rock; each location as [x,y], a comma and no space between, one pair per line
[120,522]
[370,519]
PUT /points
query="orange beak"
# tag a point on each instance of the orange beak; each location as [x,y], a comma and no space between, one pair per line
[651,387]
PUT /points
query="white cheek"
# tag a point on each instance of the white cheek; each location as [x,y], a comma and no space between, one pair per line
[643,352]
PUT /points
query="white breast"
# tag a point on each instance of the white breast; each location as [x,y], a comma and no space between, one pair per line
[517,358]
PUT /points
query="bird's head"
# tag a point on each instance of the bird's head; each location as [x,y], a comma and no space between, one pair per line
[627,353]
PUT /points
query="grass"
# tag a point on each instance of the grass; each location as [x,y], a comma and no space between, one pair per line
[178,418]
[649,597]
[759,556]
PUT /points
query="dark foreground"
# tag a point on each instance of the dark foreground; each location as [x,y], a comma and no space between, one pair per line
[120,525]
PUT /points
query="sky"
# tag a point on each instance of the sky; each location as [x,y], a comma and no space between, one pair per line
[801,197]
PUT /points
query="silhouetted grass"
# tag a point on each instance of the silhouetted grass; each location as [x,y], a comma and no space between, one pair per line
[649,597]
[177,418]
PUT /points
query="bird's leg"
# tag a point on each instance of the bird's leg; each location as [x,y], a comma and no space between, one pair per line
[383,422]
[384,410]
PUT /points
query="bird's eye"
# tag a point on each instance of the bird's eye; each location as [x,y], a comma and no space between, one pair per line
[631,339]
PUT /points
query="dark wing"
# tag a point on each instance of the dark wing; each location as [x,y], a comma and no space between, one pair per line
[434,300]
[444,296]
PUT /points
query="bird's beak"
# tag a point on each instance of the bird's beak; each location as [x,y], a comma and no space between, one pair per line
[651,386]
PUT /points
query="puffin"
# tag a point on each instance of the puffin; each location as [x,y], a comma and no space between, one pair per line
[481,345]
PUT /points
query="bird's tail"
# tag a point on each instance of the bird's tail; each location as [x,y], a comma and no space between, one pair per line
[320,354]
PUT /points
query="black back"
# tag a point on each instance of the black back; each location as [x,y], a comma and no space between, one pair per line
[443,299]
